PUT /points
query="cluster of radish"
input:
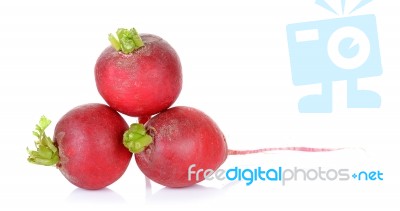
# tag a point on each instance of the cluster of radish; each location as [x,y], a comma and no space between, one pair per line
[139,75]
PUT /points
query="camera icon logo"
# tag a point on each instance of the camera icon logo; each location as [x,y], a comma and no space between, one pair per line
[325,51]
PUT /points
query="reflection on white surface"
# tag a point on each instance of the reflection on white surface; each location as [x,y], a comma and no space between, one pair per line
[189,195]
[103,196]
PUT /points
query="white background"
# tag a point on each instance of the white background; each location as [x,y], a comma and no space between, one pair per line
[236,69]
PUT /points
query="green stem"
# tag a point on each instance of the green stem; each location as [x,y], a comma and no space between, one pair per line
[114,42]
[136,138]
[127,40]
[46,152]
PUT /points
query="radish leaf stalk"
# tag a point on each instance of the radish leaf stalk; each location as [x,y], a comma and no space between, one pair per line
[136,138]
[46,152]
[127,40]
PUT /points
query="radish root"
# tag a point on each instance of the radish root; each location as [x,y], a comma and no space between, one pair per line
[300,149]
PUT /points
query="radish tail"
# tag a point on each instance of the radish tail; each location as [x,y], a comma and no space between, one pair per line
[300,149]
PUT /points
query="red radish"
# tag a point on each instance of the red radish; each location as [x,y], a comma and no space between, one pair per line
[87,146]
[181,136]
[139,75]
[176,138]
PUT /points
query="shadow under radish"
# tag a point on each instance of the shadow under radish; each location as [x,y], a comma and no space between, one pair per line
[102,196]
[195,194]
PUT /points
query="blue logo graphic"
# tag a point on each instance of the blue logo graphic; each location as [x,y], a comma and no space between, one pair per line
[325,51]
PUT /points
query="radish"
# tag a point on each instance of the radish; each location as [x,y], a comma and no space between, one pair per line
[138,75]
[87,146]
[175,139]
